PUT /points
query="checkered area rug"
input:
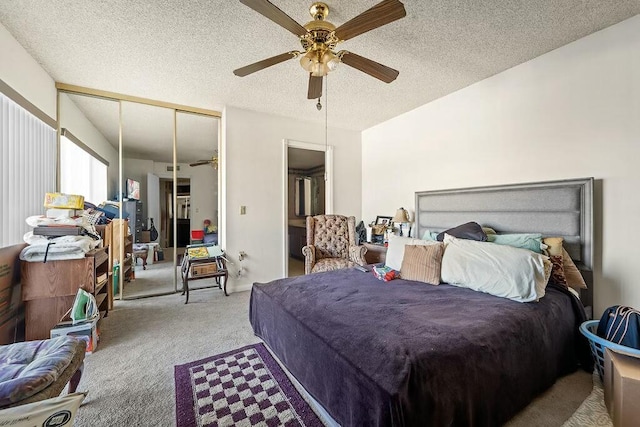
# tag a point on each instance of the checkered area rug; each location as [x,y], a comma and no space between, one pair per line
[243,387]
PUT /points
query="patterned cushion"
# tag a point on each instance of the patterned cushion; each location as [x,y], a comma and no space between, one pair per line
[422,263]
[330,236]
[330,264]
[557,271]
[27,368]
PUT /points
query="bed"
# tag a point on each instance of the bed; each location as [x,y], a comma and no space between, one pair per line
[403,353]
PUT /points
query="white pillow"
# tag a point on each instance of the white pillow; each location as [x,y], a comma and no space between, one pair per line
[395,250]
[503,271]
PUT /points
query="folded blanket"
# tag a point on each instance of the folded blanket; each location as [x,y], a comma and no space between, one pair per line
[64,247]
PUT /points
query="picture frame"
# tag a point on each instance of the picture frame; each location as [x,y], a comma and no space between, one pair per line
[383,220]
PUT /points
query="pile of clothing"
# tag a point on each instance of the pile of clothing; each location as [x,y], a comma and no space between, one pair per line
[64,232]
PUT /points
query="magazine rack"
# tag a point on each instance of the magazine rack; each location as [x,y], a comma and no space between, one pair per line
[204,262]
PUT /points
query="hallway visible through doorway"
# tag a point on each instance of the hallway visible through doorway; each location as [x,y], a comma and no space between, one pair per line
[306,195]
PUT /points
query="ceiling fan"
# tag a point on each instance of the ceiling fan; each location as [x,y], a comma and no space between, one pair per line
[319,39]
[213,161]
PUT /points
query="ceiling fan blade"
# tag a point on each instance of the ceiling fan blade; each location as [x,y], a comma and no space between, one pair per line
[315,87]
[261,65]
[200,162]
[270,11]
[374,69]
[381,14]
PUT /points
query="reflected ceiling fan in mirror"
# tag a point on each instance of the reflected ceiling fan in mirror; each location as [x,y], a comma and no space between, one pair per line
[319,39]
[213,161]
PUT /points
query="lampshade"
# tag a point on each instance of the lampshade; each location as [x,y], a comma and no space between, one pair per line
[308,60]
[401,216]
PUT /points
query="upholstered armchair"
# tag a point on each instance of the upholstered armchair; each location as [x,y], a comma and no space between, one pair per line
[331,244]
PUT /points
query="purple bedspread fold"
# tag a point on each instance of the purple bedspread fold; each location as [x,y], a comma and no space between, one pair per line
[407,353]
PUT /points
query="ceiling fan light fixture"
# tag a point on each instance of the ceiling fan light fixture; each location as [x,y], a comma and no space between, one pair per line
[319,69]
[330,60]
[308,60]
[320,37]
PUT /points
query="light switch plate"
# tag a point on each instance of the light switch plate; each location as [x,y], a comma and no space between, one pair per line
[243,210]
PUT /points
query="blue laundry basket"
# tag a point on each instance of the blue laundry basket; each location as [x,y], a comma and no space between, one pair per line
[598,344]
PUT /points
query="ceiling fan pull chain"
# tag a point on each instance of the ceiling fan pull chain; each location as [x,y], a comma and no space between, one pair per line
[326,116]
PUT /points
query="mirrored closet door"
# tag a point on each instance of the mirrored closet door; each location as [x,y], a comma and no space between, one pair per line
[156,194]
[147,140]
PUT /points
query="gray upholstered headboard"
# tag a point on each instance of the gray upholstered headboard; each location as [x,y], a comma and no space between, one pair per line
[553,208]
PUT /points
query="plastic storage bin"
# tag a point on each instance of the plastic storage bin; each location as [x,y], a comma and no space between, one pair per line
[598,344]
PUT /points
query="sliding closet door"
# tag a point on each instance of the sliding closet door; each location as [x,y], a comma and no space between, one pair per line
[147,138]
[198,184]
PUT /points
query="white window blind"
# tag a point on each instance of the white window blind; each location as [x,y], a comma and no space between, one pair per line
[28,160]
[81,173]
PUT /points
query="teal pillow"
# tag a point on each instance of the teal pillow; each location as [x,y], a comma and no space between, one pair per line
[531,241]
[430,235]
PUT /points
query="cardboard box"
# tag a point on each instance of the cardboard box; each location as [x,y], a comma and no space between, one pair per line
[11,306]
[203,269]
[88,331]
[622,388]
[9,271]
[63,201]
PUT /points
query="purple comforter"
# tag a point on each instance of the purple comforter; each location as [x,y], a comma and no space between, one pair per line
[408,353]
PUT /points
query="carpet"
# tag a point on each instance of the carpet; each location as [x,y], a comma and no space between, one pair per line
[592,412]
[243,387]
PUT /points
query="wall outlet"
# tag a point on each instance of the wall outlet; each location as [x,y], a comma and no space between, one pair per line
[243,210]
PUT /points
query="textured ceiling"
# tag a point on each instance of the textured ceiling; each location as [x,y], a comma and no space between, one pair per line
[185,51]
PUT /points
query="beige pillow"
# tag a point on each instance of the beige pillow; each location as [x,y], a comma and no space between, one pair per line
[554,245]
[571,273]
[422,263]
[488,230]
[395,250]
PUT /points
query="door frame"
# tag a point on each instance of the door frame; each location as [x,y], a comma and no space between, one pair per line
[328,192]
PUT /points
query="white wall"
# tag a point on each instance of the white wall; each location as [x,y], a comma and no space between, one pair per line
[204,190]
[252,169]
[23,73]
[571,113]
[204,187]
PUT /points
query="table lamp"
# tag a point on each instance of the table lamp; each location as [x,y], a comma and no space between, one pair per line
[401,217]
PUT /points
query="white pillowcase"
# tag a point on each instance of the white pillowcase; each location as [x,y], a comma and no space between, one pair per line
[395,250]
[503,271]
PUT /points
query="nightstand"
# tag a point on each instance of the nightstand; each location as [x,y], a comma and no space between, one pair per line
[375,253]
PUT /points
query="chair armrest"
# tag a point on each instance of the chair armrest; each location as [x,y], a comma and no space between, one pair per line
[309,253]
[356,254]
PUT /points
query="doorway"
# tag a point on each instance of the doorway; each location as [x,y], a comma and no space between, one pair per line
[307,192]
[182,210]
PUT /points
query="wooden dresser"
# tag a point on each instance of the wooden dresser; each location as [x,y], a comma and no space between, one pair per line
[49,289]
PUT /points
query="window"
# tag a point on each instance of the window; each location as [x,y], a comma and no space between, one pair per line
[80,171]
[28,162]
